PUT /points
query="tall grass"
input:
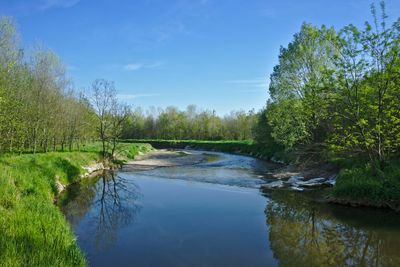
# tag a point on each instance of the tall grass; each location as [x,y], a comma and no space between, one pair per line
[357,182]
[33,231]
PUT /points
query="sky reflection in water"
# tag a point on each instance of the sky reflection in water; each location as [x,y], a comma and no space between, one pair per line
[216,215]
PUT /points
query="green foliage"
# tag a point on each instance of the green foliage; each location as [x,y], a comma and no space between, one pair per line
[358,183]
[339,91]
[39,110]
[299,93]
[191,123]
[263,137]
[288,122]
[123,150]
[366,114]
[131,151]
[33,231]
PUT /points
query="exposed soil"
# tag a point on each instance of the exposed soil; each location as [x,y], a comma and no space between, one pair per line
[393,205]
[164,158]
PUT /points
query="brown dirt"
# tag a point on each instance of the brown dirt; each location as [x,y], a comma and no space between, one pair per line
[164,158]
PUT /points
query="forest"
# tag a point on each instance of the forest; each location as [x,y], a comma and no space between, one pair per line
[190,124]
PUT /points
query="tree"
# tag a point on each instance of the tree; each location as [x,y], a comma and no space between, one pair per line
[366,104]
[40,108]
[298,87]
[119,114]
[104,95]
[111,116]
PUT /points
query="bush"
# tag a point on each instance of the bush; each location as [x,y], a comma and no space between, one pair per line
[359,183]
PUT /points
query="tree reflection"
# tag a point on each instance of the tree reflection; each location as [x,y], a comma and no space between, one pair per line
[104,206]
[305,234]
[115,207]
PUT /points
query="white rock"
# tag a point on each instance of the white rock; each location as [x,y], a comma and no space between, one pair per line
[59,185]
[312,182]
[93,168]
[276,184]
[295,188]
[331,182]
[294,179]
[317,180]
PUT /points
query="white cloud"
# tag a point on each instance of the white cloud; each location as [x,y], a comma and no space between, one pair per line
[133,66]
[137,66]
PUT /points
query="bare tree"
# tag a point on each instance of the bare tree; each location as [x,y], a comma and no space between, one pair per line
[104,96]
[111,115]
[119,115]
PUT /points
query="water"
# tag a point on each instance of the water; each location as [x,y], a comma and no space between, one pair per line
[215,214]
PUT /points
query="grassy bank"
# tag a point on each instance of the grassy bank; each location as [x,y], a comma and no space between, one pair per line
[33,231]
[246,147]
[356,185]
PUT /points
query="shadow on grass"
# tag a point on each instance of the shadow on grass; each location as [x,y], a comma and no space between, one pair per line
[71,170]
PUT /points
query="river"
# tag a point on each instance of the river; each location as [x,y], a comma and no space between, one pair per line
[216,214]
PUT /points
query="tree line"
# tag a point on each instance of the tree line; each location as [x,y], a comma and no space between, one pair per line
[190,124]
[39,108]
[338,91]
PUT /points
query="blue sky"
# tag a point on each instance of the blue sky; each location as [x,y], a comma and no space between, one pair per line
[217,54]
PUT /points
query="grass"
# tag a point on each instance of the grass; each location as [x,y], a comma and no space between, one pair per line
[33,231]
[357,182]
[246,147]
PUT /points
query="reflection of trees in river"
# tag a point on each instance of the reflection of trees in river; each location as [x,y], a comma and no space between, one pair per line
[302,234]
[114,208]
[109,204]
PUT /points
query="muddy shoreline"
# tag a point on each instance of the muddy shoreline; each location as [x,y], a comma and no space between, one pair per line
[164,158]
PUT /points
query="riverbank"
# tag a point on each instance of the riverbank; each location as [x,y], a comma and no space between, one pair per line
[357,185]
[164,158]
[244,147]
[279,170]
[33,231]
[354,183]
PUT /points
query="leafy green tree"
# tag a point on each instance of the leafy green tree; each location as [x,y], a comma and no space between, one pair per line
[40,109]
[287,121]
[366,104]
[299,87]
